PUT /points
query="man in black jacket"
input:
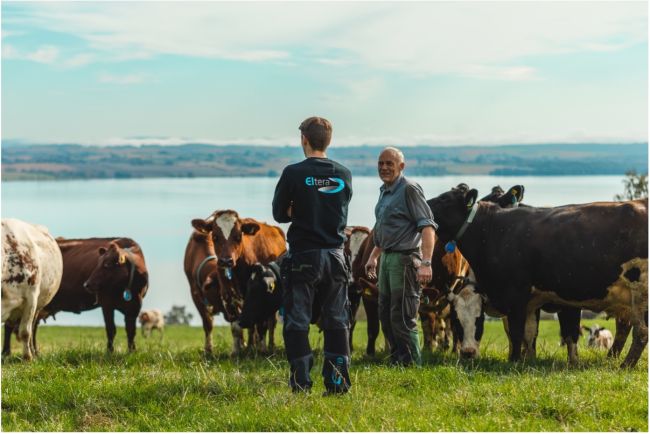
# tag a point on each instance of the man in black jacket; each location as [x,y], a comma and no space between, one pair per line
[314,195]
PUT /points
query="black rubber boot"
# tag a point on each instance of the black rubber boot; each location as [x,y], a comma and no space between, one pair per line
[299,378]
[336,373]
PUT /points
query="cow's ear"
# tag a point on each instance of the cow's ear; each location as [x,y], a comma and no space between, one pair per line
[202,226]
[250,228]
[470,198]
[102,250]
[517,191]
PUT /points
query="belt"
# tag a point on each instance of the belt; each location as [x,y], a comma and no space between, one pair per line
[404,252]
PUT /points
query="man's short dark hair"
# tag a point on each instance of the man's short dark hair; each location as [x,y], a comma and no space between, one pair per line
[317,131]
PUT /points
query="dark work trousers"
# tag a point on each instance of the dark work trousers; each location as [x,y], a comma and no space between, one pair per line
[317,276]
[399,299]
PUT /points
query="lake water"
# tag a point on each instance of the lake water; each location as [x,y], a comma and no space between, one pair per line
[157,214]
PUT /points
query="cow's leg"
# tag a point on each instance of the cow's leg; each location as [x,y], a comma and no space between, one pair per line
[639,341]
[262,328]
[426,320]
[272,323]
[531,329]
[6,345]
[34,344]
[372,315]
[516,326]
[26,324]
[448,336]
[109,324]
[506,329]
[237,338]
[129,321]
[570,331]
[623,328]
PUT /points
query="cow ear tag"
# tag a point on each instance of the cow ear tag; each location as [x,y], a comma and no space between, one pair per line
[229,273]
[122,259]
[272,287]
[126,295]
[450,247]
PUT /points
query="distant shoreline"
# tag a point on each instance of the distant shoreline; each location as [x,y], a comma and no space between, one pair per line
[67,162]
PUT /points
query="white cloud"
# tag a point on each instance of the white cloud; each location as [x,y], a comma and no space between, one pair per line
[44,54]
[467,38]
[123,79]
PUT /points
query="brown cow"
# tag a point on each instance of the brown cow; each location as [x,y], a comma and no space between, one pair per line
[202,274]
[99,272]
[354,242]
[239,244]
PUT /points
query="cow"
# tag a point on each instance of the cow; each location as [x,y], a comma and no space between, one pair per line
[32,268]
[599,337]
[151,319]
[355,238]
[200,266]
[120,281]
[239,244]
[263,298]
[569,317]
[100,272]
[592,256]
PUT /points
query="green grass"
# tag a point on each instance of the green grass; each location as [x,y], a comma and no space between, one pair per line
[171,386]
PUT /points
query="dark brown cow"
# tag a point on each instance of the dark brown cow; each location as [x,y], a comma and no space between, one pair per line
[239,244]
[592,256]
[99,272]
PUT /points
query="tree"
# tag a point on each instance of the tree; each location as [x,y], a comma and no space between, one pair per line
[636,186]
[177,315]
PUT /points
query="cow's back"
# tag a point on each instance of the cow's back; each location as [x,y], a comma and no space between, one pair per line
[268,244]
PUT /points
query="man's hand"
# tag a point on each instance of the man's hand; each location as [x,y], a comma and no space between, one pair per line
[424,274]
[371,267]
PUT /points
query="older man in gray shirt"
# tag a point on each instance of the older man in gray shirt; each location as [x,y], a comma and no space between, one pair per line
[404,237]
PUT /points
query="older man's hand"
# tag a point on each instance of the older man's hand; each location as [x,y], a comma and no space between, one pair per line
[371,268]
[425,274]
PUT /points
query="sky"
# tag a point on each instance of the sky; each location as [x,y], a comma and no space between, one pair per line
[438,73]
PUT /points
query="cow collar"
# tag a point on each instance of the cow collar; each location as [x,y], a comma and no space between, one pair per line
[198,270]
[470,219]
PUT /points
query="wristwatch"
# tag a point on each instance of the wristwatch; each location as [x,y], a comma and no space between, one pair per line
[425,263]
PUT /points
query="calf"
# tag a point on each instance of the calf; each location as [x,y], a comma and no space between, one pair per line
[355,238]
[592,256]
[152,319]
[599,337]
[32,268]
[239,244]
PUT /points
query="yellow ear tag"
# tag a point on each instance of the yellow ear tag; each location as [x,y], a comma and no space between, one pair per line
[368,292]
[514,191]
[122,259]
[272,287]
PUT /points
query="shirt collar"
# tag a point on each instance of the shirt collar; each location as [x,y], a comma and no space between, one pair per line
[393,186]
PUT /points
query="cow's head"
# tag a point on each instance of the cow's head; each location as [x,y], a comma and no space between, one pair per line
[594,333]
[227,231]
[144,317]
[113,269]
[467,318]
[451,209]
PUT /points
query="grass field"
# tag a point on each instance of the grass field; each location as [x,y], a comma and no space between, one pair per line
[171,386]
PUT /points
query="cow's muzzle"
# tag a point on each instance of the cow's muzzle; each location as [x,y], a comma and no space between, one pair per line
[468,353]
[226,262]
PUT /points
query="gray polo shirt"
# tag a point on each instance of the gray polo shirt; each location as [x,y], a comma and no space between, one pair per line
[401,212]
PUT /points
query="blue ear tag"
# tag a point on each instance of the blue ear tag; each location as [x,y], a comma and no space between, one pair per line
[229,273]
[281,312]
[126,295]
[205,301]
[450,247]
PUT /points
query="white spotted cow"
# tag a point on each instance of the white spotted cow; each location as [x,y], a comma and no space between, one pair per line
[151,319]
[32,268]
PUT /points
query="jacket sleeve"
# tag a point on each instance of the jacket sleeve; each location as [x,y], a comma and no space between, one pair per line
[418,207]
[282,199]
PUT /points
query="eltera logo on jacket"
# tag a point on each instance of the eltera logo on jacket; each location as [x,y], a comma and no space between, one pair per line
[326,185]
